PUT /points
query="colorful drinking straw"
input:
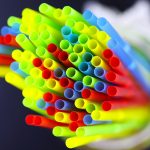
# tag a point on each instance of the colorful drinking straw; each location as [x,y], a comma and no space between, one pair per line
[77,72]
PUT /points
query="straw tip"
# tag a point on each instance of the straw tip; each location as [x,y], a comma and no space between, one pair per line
[96,115]
[106,106]
[111,90]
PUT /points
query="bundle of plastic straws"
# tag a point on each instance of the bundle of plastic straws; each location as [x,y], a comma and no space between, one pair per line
[82,78]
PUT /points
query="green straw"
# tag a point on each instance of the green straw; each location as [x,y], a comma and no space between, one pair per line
[25,66]
[74,74]
[48,38]
[59,16]
[79,49]
[40,83]
[43,53]
[46,9]
[34,37]
[124,129]
[83,39]
[72,13]
[62,132]
[91,107]
[25,43]
[75,59]
[89,81]
[70,22]
[29,81]
[41,19]
[31,104]
[66,46]
[12,20]
[56,34]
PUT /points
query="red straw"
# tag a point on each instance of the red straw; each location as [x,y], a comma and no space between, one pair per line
[74,125]
[107,54]
[115,91]
[46,74]
[2,40]
[66,83]
[115,78]
[53,49]
[51,110]
[121,103]
[63,57]
[117,66]
[10,40]
[5,59]
[40,121]
[50,98]
[37,62]
[77,116]
[93,95]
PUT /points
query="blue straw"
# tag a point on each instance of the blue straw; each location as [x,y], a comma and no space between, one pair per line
[15,67]
[90,17]
[137,57]
[66,31]
[71,94]
[129,63]
[14,30]
[79,86]
[59,73]
[6,49]
[87,57]
[89,121]
[63,105]
[101,86]
[100,73]
[86,68]
[104,25]
[6,30]
[73,39]
[42,104]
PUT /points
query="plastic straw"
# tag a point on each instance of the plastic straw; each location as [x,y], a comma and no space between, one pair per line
[74,74]
[63,105]
[89,81]
[79,86]
[62,132]
[86,68]
[62,117]
[93,95]
[71,94]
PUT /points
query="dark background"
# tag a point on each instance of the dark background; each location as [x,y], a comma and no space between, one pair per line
[14,134]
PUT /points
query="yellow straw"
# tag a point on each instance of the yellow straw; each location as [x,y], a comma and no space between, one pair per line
[81,103]
[76,141]
[15,79]
[35,72]
[4,70]
[55,86]
[51,64]
[32,92]
[98,62]
[62,117]
[95,47]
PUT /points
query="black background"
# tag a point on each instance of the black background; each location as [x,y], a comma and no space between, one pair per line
[14,134]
